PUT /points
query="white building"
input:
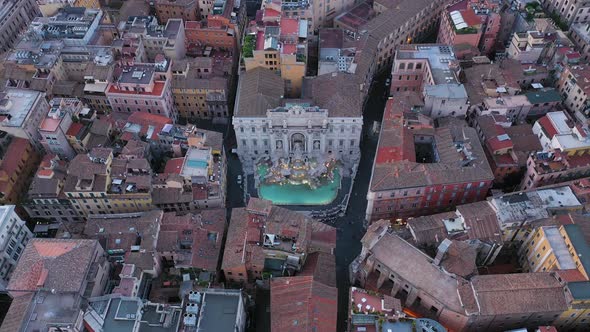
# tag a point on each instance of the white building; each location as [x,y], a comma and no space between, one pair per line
[21,113]
[526,47]
[432,70]
[557,131]
[14,236]
[326,123]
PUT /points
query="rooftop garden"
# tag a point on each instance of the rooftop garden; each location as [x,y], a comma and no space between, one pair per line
[533,10]
[248,46]
[466,31]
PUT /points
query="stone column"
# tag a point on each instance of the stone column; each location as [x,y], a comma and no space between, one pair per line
[381,280]
[395,288]
[411,297]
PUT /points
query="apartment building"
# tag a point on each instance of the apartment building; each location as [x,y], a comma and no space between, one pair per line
[574,86]
[400,23]
[15,236]
[17,164]
[263,238]
[279,45]
[75,26]
[520,212]
[565,151]
[215,31]
[433,71]
[97,183]
[50,7]
[527,47]
[472,27]
[39,285]
[45,199]
[462,27]
[338,51]
[195,181]
[221,27]
[422,168]
[200,89]
[580,35]
[22,111]
[188,10]
[507,147]
[545,249]
[154,39]
[568,11]
[106,311]
[97,76]
[143,87]
[542,101]
[560,248]
[56,124]
[125,232]
[267,125]
[15,17]
[192,240]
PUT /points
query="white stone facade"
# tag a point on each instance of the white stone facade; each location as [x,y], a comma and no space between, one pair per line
[298,129]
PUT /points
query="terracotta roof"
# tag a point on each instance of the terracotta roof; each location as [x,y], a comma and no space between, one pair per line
[201,233]
[74,129]
[460,259]
[322,267]
[246,230]
[289,26]
[302,304]
[124,230]
[571,275]
[429,229]
[481,221]
[17,312]
[174,165]
[58,264]
[513,294]
[259,90]
[546,124]
[523,138]
[401,170]
[339,93]
[412,264]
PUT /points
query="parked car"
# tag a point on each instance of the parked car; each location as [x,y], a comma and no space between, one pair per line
[239,179]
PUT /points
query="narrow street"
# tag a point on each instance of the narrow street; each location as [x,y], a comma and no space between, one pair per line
[350,227]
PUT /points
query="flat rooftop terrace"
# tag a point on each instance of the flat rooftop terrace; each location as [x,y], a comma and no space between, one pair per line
[438,57]
[17,104]
[219,312]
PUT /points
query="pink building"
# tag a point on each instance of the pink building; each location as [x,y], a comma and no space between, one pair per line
[55,125]
[470,25]
[143,87]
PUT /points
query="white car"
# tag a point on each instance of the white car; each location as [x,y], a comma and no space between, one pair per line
[239,179]
[388,82]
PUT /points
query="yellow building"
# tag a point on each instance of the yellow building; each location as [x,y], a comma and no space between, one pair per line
[97,183]
[563,249]
[552,248]
[291,67]
[281,48]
